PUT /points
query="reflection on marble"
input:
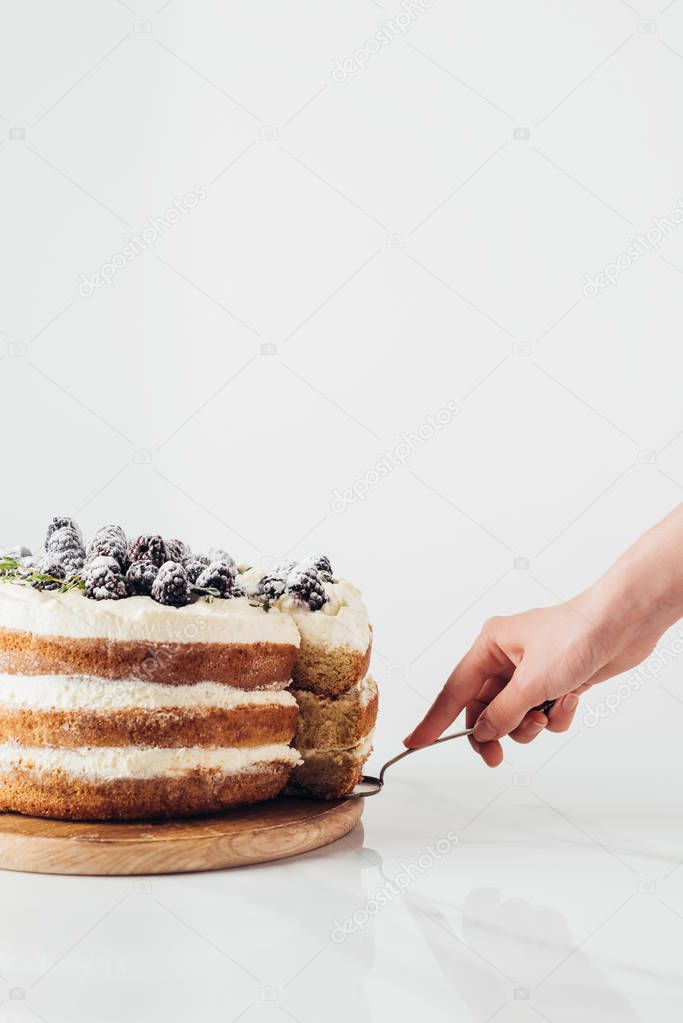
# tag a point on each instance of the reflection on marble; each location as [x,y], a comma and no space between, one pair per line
[509,951]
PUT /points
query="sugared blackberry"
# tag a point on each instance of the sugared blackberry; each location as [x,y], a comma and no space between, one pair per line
[219,575]
[101,561]
[149,548]
[60,522]
[103,579]
[64,540]
[140,578]
[218,554]
[320,562]
[307,587]
[176,550]
[29,564]
[73,564]
[65,546]
[52,565]
[195,565]
[271,587]
[171,585]
[72,559]
[109,542]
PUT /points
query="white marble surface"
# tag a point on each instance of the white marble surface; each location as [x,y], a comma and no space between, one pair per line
[524,893]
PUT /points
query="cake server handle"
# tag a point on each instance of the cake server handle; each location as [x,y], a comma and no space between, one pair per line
[369,785]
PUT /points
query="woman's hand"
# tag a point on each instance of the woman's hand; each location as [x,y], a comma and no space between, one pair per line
[520,661]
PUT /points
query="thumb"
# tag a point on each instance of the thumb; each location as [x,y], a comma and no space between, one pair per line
[506,711]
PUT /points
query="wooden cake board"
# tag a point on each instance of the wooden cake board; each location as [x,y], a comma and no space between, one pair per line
[286,826]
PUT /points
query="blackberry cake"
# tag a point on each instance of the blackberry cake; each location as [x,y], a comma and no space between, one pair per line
[139,680]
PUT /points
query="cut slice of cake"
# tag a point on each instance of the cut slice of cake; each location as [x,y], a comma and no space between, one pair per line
[335,635]
[334,739]
[336,724]
[330,774]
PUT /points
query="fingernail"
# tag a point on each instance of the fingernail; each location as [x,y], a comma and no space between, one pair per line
[484,730]
[570,702]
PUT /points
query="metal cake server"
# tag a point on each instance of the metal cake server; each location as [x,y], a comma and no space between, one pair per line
[369,785]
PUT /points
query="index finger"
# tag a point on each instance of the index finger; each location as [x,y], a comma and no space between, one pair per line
[483,660]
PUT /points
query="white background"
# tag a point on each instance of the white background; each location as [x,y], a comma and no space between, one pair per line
[415,234]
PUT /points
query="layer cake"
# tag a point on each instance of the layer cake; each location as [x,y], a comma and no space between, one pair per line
[138,680]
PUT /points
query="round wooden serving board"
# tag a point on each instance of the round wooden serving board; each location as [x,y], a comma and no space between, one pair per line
[283,827]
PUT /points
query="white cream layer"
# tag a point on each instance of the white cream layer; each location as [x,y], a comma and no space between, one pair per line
[363,691]
[364,747]
[130,762]
[68,692]
[367,689]
[44,613]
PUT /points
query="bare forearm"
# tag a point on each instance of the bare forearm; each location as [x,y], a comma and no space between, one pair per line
[643,589]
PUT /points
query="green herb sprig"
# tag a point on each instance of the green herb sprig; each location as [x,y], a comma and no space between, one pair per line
[13,571]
